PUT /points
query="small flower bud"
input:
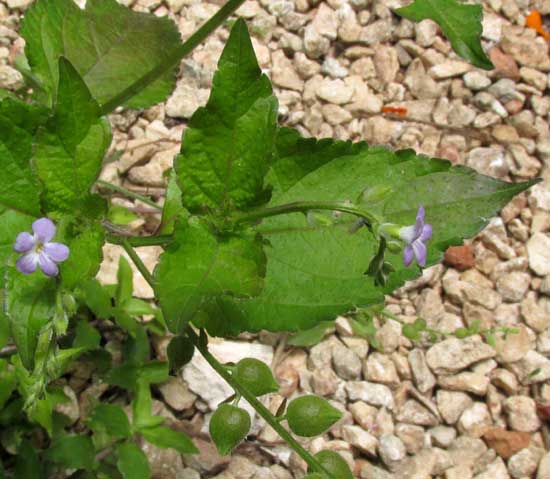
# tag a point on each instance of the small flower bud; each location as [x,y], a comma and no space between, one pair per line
[310,416]
[256,376]
[229,425]
[335,464]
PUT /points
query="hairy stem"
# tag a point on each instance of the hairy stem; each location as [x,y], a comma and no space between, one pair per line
[265,413]
[137,261]
[304,207]
[130,194]
[137,241]
[174,57]
[239,389]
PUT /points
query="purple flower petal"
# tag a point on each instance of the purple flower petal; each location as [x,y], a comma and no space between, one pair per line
[56,251]
[419,222]
[408,234]
[426,233]
[44,229]
[26,264]
[48,267]
[408,255]
[420,252]
[421,213]
[24,243]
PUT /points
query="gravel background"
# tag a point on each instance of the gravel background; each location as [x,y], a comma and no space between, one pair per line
[455,410]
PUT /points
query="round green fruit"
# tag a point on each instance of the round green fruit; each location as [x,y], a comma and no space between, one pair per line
[310,416]
[256,376]
[335,464]
[229,425]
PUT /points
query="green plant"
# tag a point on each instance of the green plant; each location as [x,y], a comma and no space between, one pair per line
[262,229]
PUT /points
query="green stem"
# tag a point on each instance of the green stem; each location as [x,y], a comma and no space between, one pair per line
[265,413]
[128,193]
[137,241]
[137,261]
[304,207]
[239,389]
[174,57]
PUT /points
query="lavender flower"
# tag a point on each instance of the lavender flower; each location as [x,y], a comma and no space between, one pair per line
[39,250]
[416,237]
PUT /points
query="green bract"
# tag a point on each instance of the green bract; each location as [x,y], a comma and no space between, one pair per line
[229,425]
[335,464]
[310,416]
[256,376]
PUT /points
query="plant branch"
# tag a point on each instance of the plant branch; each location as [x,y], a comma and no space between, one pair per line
[314,464]
[137,261]
[304,207]
[129,194]
[239,389]
[174,57]
[137,241]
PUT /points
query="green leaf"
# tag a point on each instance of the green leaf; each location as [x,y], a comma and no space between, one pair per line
[73,452]
[86,336]
[97,298]
[125,278]
[165,437]
[227,147]
[198,266]
[110,46]
[69,152]
[180,351]
[142,406]
[29,305]
[316,271]
[128,375]
[461,24]
[28,464]
[119,215]
[8,382]
[110,419]
[19,188]
[311,337]
[86,246]
[173,206]
[132,462]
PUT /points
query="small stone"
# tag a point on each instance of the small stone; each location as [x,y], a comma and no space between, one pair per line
[361,439]
[505,380]
[467,451]
[334,91]
[449,69]
[489,161]
[346,363]
[333,68]
[475,80]
[412,412]
[525,462]
[363,414]
[452,404]
[513,286]
[423,377]
[538,251]
[413,437]
[505,65]
[374,394]
[315,44]
[10,78]
[505,134]
[392,450]
[513,347]
[283,73]
[506,443]
[466,381]
[386,64]
[324,382]
[335,114]
[544,467]
[532,368]
[443,436]
[475,420]
[70,408]
[185,100]
[522,414]
[379,31]
[379,368]
[325,22]
[176,394]
[495,470]
[453,354]
[459,257]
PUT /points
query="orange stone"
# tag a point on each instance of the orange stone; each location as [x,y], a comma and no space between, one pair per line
[506,443]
